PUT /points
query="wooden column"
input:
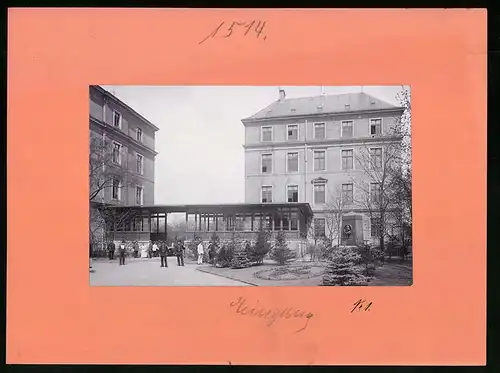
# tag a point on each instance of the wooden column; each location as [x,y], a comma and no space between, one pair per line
[217,221]
[187,215]
[251,220]
[195,221]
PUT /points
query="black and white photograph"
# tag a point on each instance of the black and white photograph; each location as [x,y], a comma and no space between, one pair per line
[250,186]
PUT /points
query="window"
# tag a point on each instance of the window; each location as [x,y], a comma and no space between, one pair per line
[347,159]
[319,193]
[139,164]
[375,127]
[267,194]
[375,227]
[117,159]
[267,163]
[139,195]
[347,128]
[138,135]
[319,130]
[292,192]
[117,119]
[347,193]
[375,192]
[376,158]
[319,227]
[267,133]
[292,162]
[319,160]
[293,132]
[116,191]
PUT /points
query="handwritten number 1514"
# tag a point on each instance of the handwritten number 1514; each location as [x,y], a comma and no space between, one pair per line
[224,30]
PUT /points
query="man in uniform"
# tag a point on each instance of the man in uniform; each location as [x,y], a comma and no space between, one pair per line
[163,254]
[179,253]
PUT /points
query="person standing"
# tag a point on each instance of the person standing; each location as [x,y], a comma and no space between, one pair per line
[163,254]
[211,253]
[111,250]
[179,252]
[200,253]
[122,252]
[150,249]
[136,249]
[154,248]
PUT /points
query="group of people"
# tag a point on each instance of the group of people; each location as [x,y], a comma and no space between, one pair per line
[154,249]
[212,252]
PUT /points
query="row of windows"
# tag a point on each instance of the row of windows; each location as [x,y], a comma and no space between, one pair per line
[117,158]
[117,122]
[319,132]
[116,192]
[319,193]
[320,227]
[292,160]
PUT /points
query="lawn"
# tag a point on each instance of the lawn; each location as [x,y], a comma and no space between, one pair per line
[301,273]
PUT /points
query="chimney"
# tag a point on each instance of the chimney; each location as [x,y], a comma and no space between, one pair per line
[282,95]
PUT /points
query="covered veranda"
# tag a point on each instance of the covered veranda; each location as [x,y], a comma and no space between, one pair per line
[144,223]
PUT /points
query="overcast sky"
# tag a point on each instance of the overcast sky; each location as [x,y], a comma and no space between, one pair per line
[201,157]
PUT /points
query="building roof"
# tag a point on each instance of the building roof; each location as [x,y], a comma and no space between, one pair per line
[121,103]
[323,104]
[203,208]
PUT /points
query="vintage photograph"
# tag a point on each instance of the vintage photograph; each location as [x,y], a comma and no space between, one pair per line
[250,186]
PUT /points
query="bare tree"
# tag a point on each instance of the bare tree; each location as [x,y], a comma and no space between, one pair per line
[383,161]
[311,240]
[107,166]
[402,178]
[116,219]
[335,209]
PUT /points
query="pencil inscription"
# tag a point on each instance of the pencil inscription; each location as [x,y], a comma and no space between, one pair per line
[361,305]
[271,314]
[225,30]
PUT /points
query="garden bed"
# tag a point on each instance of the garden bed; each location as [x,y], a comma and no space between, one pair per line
[269,274]
[306,274]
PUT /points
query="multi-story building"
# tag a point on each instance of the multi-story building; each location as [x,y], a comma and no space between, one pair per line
[127,142]
[305,150]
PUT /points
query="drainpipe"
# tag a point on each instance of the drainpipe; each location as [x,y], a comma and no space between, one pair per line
[305,162]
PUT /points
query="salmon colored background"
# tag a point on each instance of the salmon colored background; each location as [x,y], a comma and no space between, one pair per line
[54,316]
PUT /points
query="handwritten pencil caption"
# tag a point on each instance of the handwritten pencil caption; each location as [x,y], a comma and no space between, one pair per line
[271,314]
[225,30]
[361,305]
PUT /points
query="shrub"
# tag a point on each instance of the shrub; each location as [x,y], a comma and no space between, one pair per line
[240,259]
[258,251]
[224,256]
[280,252]
[342,270]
